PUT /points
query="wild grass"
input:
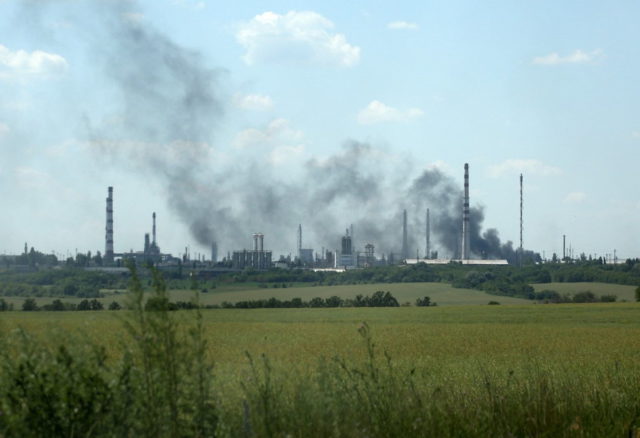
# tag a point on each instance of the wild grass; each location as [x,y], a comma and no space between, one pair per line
[472,371]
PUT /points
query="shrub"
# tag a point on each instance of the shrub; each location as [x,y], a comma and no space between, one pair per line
[29,305]
[584,297]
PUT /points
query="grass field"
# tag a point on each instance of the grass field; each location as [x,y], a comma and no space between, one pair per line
[441,293]
[624,293]
[533,370]
[566,334]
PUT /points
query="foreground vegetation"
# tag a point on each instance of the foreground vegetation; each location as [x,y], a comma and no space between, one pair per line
[570,370]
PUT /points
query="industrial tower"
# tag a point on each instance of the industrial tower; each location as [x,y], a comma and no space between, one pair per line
[405,242]
[108,250]
[466,238]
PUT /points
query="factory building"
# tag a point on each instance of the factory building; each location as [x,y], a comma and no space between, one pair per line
[257,258]
[369,256]
[305,255]
[347,258]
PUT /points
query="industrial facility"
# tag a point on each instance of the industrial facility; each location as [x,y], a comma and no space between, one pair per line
[348,256]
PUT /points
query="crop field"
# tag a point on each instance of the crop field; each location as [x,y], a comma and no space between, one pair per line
[624,293]
[441,293]
[467,370]
[567,334]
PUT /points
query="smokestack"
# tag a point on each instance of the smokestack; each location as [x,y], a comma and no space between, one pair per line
[255,241]
[353,242]
[427,253]
[466,235]
[214,252]
[564,246]
[521,204]
[108,250]
[260,242]
[146,243]
[154,229]
[405,243]
[300,241]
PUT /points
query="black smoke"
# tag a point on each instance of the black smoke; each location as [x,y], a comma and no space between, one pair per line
[168,103]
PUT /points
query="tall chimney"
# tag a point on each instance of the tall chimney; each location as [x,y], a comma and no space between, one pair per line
[255,241]
[427,253]
[564,246]
[466,238]
[353,242]
[521,206]
[214,252]
[108,250]
[154,229]
[260,242]
[405,243]
[300,241]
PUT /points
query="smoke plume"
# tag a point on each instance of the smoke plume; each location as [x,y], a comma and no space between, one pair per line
[168,103]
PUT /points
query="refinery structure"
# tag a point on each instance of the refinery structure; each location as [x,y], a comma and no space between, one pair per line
[345,256]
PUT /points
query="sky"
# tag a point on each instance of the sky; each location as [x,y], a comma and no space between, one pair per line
[229,118]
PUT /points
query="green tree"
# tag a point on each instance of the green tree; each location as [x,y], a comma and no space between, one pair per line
[638,293]
[29,305]
[4,306]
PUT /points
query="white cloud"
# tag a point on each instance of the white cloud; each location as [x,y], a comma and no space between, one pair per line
[256,102]
[30,178]
[37,63]
[402,25]
[575,197]
[196,5]
[284,154]
[133,17]
[303,37]
[577,57]
[277,133]
[527,167]
[441,166]
[378,112]
[279,140]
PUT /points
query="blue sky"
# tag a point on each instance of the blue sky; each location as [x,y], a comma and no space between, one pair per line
[547,89]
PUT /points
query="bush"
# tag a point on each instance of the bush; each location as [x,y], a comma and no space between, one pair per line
[423,302]
[4,306]
[584,297]
[29,305]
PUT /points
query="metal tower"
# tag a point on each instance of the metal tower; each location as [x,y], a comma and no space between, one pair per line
[108,250]
[405,243]
[466,238]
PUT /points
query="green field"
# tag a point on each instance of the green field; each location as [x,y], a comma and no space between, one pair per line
[441,293]
[551,369]
[624,293]
[566,333]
